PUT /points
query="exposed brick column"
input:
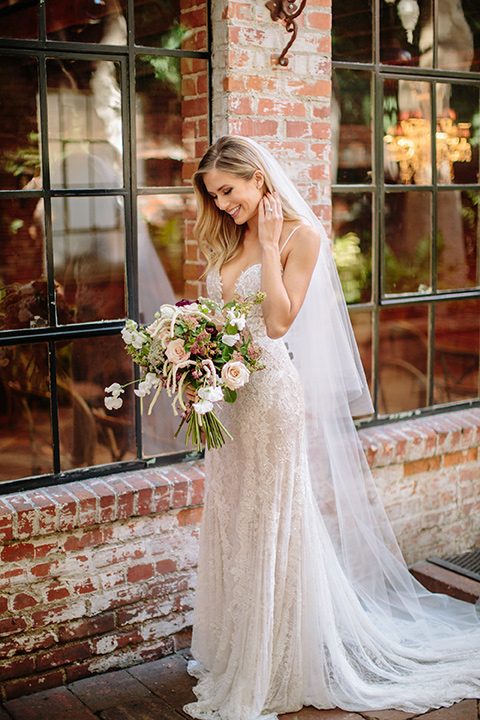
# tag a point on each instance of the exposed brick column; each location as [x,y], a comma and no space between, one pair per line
[286,109]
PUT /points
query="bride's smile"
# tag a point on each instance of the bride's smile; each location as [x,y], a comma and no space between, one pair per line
[235,196]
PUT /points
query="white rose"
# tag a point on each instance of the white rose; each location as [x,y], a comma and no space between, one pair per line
[235,375]
[176,352]
[230,340]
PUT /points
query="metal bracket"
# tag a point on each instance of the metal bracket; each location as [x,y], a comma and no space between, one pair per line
[286,11]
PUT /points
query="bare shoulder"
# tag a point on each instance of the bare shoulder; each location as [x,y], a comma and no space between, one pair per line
[304,245]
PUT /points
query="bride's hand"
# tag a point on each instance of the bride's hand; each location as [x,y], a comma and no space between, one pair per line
[270,221]
[191,394]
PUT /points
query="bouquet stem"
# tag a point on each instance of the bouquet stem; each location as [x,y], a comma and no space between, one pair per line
[209,424]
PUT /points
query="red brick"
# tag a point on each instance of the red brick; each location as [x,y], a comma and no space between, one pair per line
[272,106]
[88,538]
[124,494]
[189,516]
[6,520]
[47,510]
[85,587]
[17,552]
[56,592]
[166,566]
[3,604]
[137,573]
[171,584]
[22,601]
[319,20]
[163,487]
[254,128]
[183,639]
[7,576]
[120,553]
[26,686]
[45,569]
[12,625]
[66,507]
[27,643]
[63,655]
[180,489]
[17,667]
[318,88]
[25,514]
[143,493]
[107,511]
[118,639]
[416,467]
[79,671]
[45,549]
[87,503]
[86,628]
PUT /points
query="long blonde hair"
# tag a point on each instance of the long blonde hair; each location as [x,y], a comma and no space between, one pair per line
[217,234]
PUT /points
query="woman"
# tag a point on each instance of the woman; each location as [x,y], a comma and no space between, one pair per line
[303,597]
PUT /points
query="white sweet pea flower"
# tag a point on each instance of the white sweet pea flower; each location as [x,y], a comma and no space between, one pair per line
[167,311]
[213,394]
[230,340]
[113,403]
[127,336]
[137,340]
[115,389]
[238,320]
[202,407]
[152,379]
[142,389]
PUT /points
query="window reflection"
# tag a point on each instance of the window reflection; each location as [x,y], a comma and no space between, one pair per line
[352,228]
[363,328]
[90,434]
[172,25]
[92,21]
[403,353]
[457,331]
[351,121]
[404,26]
[408,235]
[25,429]
[458,35]
[19,19]
[457,240]
[458,126]
[352,37]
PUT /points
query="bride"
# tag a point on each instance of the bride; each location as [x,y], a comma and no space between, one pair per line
[303,597]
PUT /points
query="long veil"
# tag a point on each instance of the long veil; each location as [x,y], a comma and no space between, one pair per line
[430,628]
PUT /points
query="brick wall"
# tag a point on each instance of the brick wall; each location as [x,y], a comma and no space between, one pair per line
[100,574]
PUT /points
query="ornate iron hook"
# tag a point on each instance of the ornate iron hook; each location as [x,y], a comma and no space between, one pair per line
[286,11]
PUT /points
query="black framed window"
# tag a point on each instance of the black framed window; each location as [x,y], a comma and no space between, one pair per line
[105,111]
[405,195]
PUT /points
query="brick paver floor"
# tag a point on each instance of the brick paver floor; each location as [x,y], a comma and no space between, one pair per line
[158,690]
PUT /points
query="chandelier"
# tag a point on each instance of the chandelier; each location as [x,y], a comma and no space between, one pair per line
[410,146]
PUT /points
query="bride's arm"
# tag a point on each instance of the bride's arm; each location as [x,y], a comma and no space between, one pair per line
[284,293]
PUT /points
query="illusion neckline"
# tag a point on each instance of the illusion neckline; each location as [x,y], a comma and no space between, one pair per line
[243,272]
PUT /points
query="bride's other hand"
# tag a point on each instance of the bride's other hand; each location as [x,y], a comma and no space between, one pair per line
[270,221]
[191,394]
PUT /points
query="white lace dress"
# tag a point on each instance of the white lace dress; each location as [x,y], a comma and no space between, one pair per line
[277,626]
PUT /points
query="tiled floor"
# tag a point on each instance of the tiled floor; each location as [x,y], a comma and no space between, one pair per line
[158,690]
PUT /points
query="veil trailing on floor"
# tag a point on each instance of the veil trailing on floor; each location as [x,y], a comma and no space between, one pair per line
[422,627]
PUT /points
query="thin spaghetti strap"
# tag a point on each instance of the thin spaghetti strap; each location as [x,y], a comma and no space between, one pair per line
[288,238]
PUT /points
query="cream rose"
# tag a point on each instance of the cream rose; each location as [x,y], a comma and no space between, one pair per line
[176,352]
[235,375]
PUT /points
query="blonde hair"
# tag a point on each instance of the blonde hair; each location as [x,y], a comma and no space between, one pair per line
[217,234]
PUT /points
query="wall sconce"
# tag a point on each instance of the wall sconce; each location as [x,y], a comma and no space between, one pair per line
[286,11]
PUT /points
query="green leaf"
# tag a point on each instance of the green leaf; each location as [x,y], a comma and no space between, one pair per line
[229,395]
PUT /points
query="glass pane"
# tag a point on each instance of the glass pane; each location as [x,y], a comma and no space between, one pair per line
[25,430]
[459,35]
[163,223]
[403,352]
[19,136]
[171,123]
[408,235]
[458,130]
[352,231]
[171,24]
[352,36]
[362,327]
[89,256]
[84,124]
[89,433]
[19,19]
[92,21]
[456,350]
[23,286]
[405,33]
[351,127]
[457,240]
[406,124]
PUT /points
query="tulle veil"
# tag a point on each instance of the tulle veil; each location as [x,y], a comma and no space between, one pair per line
[427,627]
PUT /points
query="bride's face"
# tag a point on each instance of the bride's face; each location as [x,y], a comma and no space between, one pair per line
[234,195]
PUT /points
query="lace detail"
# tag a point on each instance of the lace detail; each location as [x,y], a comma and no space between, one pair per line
[277,625]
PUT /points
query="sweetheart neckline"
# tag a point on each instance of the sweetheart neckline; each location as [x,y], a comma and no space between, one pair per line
[245,270]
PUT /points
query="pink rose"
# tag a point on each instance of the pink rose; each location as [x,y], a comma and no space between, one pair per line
[176,352]
[235,374]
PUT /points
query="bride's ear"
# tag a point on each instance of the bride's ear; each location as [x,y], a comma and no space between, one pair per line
[259,179]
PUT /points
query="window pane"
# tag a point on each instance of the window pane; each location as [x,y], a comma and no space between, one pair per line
[351,127]
[92,21]
[457,240]
[163,222]
[406,29]
[89,433]
[456,350]
[25,429]
[84,124]
[89,256]
[19,138]
[352,229]
[172,24]
[459,35]
[171,117]
[362,327]
[406,124]
[408,235]
[352,38]
[23,287]
[19,19]
[457,133]
[403,351]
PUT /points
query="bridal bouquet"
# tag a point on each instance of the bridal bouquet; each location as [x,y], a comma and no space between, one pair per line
[202,344]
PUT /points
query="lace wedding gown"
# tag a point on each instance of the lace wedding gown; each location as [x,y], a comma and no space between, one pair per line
[277,623]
